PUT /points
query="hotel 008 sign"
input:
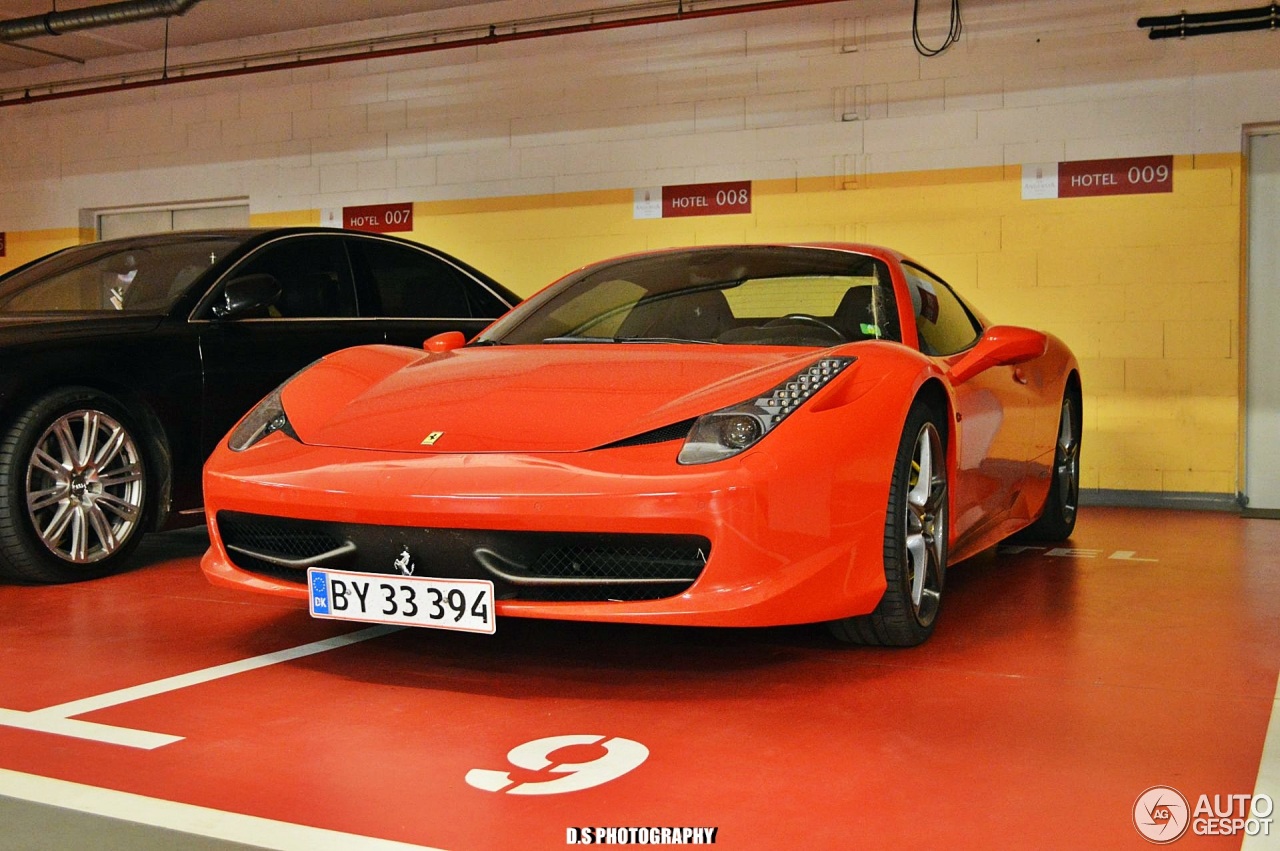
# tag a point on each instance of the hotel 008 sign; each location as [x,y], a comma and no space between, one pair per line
[693,199]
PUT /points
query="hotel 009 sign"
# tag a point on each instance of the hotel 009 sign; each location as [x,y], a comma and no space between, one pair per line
[1092,178]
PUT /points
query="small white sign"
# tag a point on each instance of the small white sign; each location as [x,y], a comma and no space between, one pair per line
[331,217]
[648,203]
[1039,181]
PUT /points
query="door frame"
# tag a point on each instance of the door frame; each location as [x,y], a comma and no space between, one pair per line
[1248,134]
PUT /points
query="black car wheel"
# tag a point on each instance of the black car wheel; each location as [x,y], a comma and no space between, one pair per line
[915,541]
[1058,520]
[73,488]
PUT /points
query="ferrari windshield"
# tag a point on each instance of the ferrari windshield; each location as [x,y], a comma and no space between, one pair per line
[761,295]
[138,276]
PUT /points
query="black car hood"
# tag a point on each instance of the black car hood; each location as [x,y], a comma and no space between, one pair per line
[47,328]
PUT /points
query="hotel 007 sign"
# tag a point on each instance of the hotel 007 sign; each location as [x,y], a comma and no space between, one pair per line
[374,218]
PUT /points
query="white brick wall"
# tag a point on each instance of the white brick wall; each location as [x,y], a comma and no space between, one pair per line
[750,96]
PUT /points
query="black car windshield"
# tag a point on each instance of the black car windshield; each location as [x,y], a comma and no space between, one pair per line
[137,276]
[760,295]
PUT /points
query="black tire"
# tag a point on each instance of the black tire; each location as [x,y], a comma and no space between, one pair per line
[1058,520]
[74,493]
[915,541]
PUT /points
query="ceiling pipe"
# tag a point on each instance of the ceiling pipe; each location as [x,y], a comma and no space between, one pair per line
[681,13]
[92,17]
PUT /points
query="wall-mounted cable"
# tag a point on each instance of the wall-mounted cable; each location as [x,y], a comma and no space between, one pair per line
[953,32]
[1184,25]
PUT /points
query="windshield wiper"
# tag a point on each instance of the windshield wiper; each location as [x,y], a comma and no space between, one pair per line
[663,340]
[572,339]
[627,340]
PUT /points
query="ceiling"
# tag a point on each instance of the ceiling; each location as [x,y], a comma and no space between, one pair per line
[207,22]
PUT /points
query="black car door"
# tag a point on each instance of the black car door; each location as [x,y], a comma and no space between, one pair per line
[247,356]
[415,293]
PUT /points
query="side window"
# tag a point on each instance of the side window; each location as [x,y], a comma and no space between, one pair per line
[314,276]
[400,281]
[943,322]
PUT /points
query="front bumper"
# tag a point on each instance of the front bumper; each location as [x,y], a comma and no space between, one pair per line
[792,539]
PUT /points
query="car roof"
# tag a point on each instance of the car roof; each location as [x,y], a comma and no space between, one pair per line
[244,234]
[880,251]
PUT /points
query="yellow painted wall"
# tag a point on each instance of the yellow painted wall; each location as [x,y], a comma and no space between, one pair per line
[1144,287]
[25,246]
[296,218]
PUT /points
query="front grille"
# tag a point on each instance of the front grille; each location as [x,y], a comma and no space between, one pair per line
[589,594]
[617,562]
[541,566]
[270,536]
[282,550]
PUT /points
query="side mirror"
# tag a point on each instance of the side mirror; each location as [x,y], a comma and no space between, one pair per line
[446,342]
[245,294]
[1001,345]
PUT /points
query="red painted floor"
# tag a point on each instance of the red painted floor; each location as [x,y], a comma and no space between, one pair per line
[1057,688]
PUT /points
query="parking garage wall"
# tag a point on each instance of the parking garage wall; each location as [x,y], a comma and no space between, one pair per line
[522,158]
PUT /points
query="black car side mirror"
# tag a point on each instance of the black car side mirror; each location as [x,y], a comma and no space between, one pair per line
[245,294]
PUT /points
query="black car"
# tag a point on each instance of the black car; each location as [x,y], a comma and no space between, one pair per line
[123,362]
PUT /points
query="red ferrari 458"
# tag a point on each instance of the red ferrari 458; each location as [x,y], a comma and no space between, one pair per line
[722,436]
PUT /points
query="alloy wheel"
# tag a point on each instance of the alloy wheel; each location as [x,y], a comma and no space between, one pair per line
[926,526]
[1067,462]
[84,486]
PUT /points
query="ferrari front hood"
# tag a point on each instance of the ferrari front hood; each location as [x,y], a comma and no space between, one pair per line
[543,398]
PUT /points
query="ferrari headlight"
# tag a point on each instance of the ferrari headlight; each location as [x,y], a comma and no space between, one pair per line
[728,431]
[266,418]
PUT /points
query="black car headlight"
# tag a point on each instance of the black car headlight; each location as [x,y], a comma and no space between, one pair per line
[728,431]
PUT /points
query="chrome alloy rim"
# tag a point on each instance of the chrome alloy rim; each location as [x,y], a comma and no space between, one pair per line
[926,524]
[84,487]
[1067,467]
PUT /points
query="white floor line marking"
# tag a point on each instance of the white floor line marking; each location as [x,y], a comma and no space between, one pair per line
[188,818]
[104,733]
[128,695]
[55,719]
[1268,782]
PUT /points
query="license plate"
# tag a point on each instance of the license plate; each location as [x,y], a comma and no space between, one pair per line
[462,604]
